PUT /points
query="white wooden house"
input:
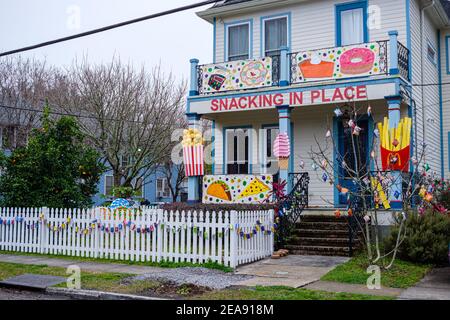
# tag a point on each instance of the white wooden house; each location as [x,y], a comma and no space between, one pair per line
[271,73]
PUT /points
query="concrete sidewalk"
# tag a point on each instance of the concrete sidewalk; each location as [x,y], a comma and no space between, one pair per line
[434,286]
[353,288]
[292,271]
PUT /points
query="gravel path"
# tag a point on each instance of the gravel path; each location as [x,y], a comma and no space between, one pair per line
[214,279]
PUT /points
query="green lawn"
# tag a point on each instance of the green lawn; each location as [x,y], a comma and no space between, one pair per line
[162,264]
[283,293]
[401,275]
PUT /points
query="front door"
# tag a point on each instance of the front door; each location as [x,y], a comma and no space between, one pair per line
[353,150]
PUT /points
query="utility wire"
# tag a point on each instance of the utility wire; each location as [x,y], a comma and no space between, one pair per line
[110,27]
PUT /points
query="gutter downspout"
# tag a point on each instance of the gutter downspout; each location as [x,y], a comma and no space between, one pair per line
[422,22]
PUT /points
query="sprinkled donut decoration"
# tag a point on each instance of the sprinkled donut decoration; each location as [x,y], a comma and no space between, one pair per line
[357,61]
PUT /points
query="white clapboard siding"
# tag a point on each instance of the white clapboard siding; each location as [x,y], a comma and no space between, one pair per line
[153,234]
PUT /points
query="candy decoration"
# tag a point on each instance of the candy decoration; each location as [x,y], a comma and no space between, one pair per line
[324,177]
[426,167]
[337,213]
[328,134]
[366,218]
[376,133]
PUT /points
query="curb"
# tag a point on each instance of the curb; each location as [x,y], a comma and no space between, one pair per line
[96,295]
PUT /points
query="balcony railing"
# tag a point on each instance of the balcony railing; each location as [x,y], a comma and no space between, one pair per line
[367,59]
[378,58]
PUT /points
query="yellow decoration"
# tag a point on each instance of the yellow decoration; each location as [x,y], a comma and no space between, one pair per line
[255,187]
[395,139]
[192,137]
[381,194]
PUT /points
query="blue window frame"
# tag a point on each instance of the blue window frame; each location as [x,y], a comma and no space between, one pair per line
[279,34]
[447,52]
[355,15]
[238,40]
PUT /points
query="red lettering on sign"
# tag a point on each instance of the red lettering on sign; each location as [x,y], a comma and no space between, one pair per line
[361,92]
[241,104]
[296,98]
[214,105]
[223,104]
[337,95]
[324,96]
[349,93]
[252,102]
[267,100]
[314,95]
[278,99]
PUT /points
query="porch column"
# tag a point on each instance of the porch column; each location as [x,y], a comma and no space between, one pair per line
[193,89]
[193,182]
[393,49]
[284,124]
[394,119]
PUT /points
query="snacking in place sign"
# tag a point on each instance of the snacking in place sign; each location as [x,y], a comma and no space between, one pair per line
[246,102]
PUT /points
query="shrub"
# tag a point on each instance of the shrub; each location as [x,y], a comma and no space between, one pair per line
[427,238]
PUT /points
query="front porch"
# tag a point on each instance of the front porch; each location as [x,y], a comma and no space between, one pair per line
[299,98]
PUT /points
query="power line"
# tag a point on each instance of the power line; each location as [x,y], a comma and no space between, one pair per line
[70,114]
[110,27]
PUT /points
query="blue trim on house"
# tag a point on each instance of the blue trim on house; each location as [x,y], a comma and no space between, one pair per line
[371,128]
[395,80]
[291,158]
[448,149]
[214,39]
[408,36]
[336,162]
[225,36]
[441,121]
[250,145]
[447,47]
[213,147]
[262,46]
[350,6]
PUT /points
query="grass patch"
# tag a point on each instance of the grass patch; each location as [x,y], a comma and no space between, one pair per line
[283,293]
[105,281]
[162,264]
[402,274]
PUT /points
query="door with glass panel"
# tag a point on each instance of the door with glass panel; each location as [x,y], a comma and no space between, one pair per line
[237,151]
[269,163]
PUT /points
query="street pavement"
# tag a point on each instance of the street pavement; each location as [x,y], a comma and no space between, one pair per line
[12,294]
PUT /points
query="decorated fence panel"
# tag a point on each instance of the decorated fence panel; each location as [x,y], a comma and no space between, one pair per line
[149,234]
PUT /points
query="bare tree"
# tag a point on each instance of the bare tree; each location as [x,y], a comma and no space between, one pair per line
[175,176]
[369,187]
[127,113]
[24,84]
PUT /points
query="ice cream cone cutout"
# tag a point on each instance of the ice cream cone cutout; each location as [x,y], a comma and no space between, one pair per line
[282,150]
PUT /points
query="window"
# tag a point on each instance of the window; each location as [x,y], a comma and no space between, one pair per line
[238,42]
[8,137]
[275,35]
[109,185]
[268,160]
[351,23]
[447,48]
[162,188]
[237,151]
[431,53]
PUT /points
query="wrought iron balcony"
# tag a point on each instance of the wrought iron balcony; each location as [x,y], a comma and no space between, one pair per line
[374,59]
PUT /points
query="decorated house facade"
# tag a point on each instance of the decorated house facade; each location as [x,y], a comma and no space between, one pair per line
[287,76]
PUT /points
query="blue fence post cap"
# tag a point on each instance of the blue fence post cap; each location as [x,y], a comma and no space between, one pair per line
[393,33]
[194,61]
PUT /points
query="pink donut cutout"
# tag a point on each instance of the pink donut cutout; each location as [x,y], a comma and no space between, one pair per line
[357,61]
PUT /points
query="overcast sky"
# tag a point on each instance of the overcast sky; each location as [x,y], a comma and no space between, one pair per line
[173,40]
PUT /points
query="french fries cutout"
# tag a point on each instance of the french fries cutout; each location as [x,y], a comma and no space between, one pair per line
[395,144]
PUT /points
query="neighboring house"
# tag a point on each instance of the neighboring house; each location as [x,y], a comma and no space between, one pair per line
[400,66]
[155,188]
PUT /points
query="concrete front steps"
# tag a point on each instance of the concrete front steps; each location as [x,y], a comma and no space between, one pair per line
[320,232]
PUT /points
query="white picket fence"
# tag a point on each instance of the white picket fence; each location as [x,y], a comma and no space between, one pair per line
[229,238]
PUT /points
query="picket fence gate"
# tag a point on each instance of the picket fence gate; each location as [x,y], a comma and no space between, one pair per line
[228,238]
